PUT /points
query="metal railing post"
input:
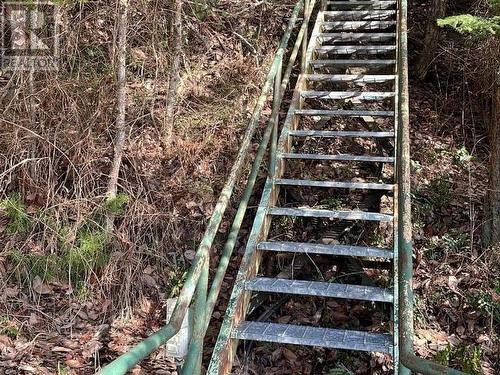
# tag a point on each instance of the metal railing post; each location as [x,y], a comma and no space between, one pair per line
[276,112]
[405,245]
[192,365]
[307,15]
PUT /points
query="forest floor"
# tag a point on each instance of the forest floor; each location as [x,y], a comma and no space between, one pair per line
[49,325]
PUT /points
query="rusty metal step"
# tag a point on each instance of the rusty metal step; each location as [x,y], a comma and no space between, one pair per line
[330,214]
[356,78]
[358,50]
[340,134]
[340,157]
[358,25]
[360,15]
[361,5]
[314,336]
[355,37]
[320,289]
[343,95]
[335,184]
[343,113]
[317,248]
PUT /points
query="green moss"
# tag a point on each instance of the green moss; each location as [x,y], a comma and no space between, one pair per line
[443,356]
[339,371]
[439,192]
[200,9]
[474,25]
[76,263]
[62,369]
[287,222]
[76,257]
[471,360]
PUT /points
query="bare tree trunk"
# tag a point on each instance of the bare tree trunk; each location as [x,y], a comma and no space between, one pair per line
[121,101]
[431,38]
[492,227]
[176,42]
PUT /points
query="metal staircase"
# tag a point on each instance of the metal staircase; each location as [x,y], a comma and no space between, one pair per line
[350,111]
[352,49]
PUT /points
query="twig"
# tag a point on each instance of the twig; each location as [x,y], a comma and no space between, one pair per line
[247,43]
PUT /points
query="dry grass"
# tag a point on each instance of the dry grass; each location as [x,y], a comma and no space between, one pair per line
[63,156]
[56,159]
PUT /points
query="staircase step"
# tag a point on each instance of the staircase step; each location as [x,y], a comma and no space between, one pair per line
[313,336]
[353,63]
[340,134]
[351,37]
[359,15]
[343,113]
[360,50]
[319,289]
[317,248]
[335,184]
[362,4]
[340,157]
[342,95]
[358,78]
[330,214]
[358,25]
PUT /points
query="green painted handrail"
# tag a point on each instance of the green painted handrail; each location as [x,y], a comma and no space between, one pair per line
[405,245]
[240,214]
[197,276]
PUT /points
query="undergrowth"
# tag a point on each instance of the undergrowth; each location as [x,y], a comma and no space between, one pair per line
[15,210]
[432,197]
[452,242]
[71,260]
[468,357]
[176,278]
[7,328]
[487,302]
[116,205]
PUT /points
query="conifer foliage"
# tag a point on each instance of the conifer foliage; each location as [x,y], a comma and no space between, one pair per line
[476,25]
